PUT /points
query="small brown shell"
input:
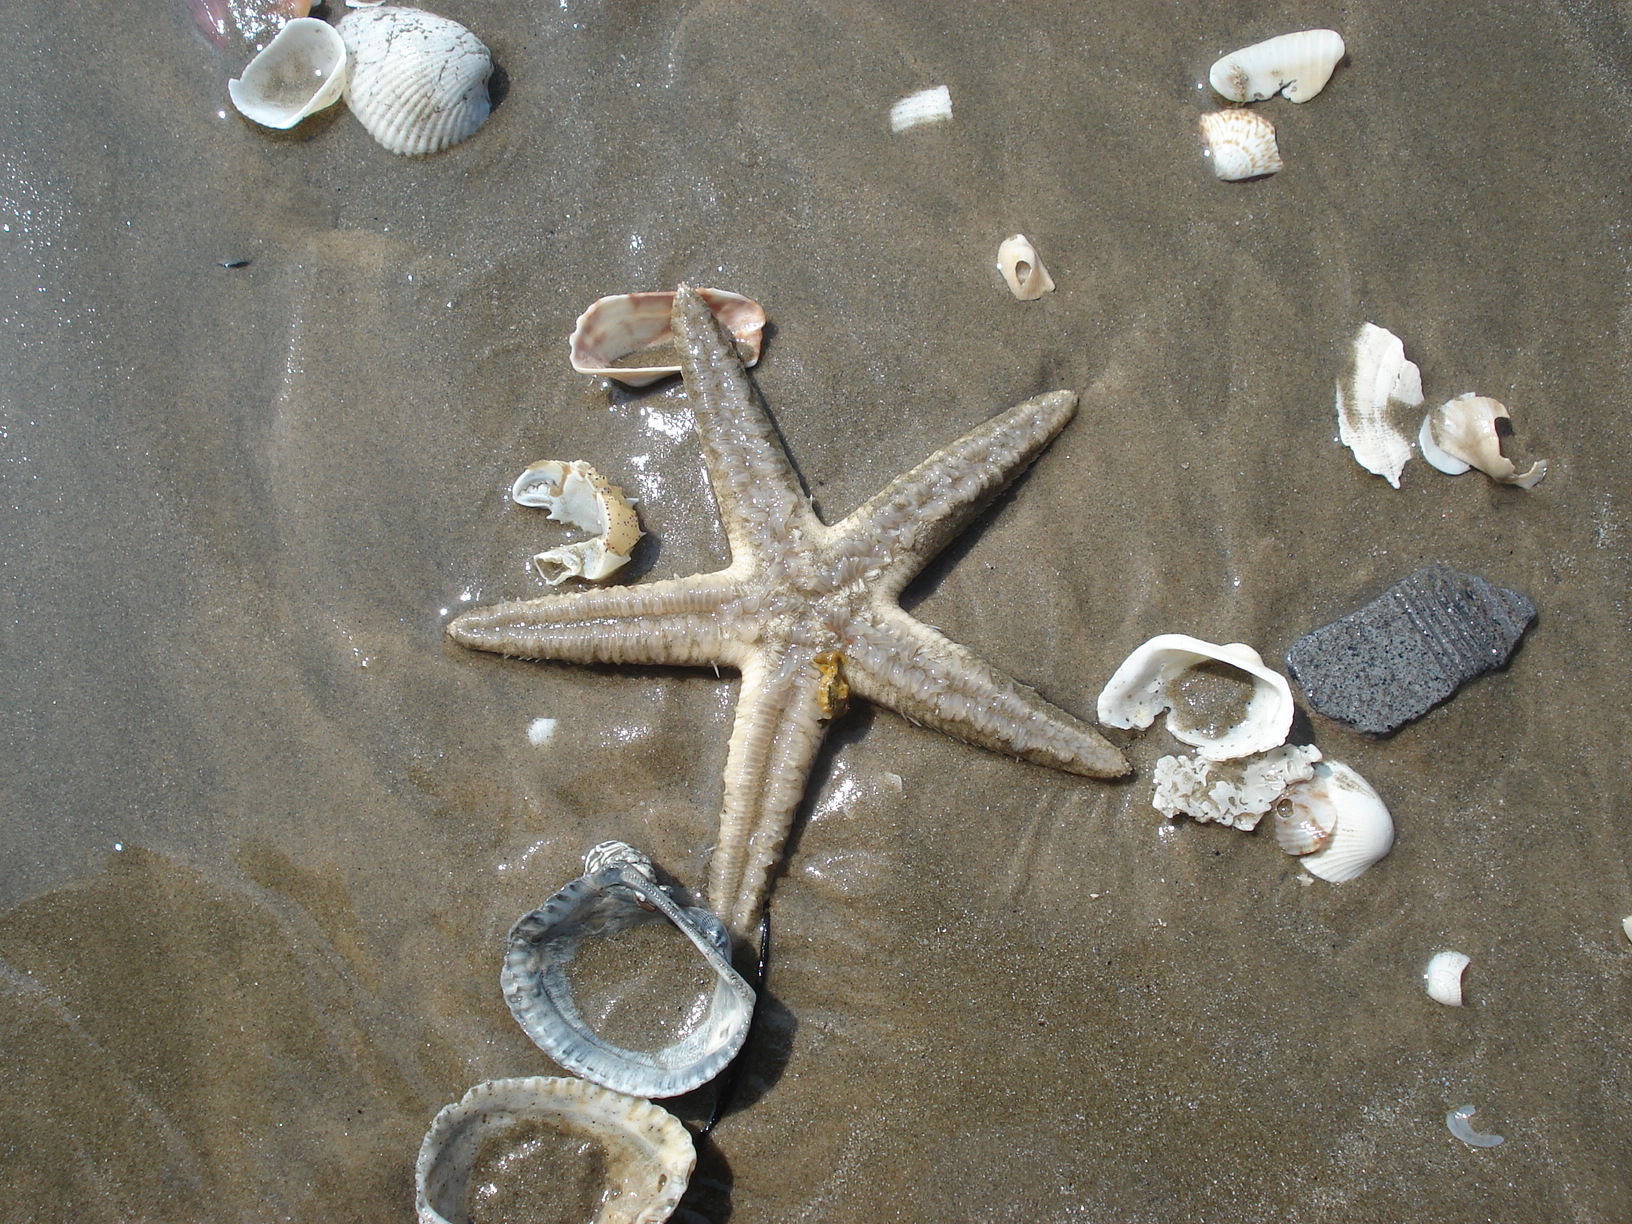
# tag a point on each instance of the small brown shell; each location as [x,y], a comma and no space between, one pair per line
[616,327]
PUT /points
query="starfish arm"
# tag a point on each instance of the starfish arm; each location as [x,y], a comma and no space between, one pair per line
[893,660]
[774,740]
[675,621]
[762,506]
[898,531]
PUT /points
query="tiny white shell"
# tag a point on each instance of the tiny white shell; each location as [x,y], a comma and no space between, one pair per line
[1297,64]
[1023,269]
[418,81]
[299,72]
[1443,977]
[1148,680]
[1467,432]
[1380,382]
[1460,1122]
[618,326]
[925,106]
[576,494]
[1241,144]
[1362,829]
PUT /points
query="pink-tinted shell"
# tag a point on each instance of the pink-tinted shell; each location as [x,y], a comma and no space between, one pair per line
[625,323]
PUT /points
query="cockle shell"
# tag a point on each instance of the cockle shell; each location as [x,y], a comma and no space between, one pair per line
[647,1154]
[576,494]
[1153,679]
[1362,830]
[300,72]
[623,324]
[1241,144]
[1442,979]
[1023,269]
[1380,383]
[418,81]
[1467,432]
[1298,65]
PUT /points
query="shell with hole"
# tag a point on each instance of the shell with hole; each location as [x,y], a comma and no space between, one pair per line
[500,1126]
[301,71]
[576,494]
[1362,831]
[617,329]
[1467,432]
[1380,384]
[1022,268]
[1298,65]
[1200,685]
[418,81]
[1240,144]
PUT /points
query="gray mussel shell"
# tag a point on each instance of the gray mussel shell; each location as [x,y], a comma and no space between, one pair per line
[605,902]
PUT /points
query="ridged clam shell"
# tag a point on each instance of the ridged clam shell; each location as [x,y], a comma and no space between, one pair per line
[1442,979]
[623,324]
[646,1152]
[1363,830]
[1298,65]
[1241,144]
[418,81]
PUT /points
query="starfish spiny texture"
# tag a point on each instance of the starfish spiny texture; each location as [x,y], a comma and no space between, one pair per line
[804,608]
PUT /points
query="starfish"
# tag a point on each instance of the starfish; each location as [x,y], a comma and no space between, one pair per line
[806,611]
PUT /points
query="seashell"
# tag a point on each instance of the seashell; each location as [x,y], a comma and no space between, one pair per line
[1171,672]
[300,72]
[1458,1120]
[251,23]
[1362,830]
[1467,432]
[1302,828]
[1443,977]
[418,81]
[576,494]
[1241,144]
[1380,381]
[616,327]
[648,1156]
[611,898]
[1022,269]
[1236,793]
[925,106]
[1298,65]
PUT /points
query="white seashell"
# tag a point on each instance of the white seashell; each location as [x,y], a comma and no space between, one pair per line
[1297,64]
[1022,268]
[925,106]
[615,327]
[1443,977]
[1170,672]
[1626,927]
[1467,432]
[576,494]
[1362,830]
[648,1155]
[1302,827]
[1241,144]
[1236,793]
[418,81]
[300,72]
[1380,382]
[1459,1122]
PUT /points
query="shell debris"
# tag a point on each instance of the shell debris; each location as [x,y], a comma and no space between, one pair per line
[300,72]
[1235,793]
[1443,977]
[925,106]
[1380,382]
[621,325]
[1241,144]
[1467,432]
[1298,65]
[1022,268]
[1459,1122]
[576,494]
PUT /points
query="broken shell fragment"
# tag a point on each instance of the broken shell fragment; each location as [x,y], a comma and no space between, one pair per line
[1022,269]
[1236,793]
[1380,383]
[576,494]
[1443,977]
[300,72]
[618,894]
[1467,432]
[1201,687]
[418,81]
[1241,144]
[619,327]
[925,106]
[1460,1122]
[1362,829]
[647,1154]
[1298,65]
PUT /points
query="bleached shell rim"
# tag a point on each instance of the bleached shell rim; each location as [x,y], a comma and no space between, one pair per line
[298,32]
[649,1153]
[418,82]
[623,323]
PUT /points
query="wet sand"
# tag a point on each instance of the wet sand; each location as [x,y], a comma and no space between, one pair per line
[264,828]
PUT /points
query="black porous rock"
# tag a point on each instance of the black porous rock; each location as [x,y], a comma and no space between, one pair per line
[1409,649]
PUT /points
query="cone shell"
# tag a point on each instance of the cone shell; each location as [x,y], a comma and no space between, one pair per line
[616,327]
[418,81]
[1362,829]
[1241,144]
[648,1155]
[1298,65]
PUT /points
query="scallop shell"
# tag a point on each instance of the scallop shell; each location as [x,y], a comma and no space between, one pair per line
[625,323]
[648,1155]
[1443,977]
[608,899]
[576,494]
[300,72]
[1241,144]
[1298,65]
[1467,432]
[1022,269]
[418,81]
[1362,830]
[1380,383]
[1148,680]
